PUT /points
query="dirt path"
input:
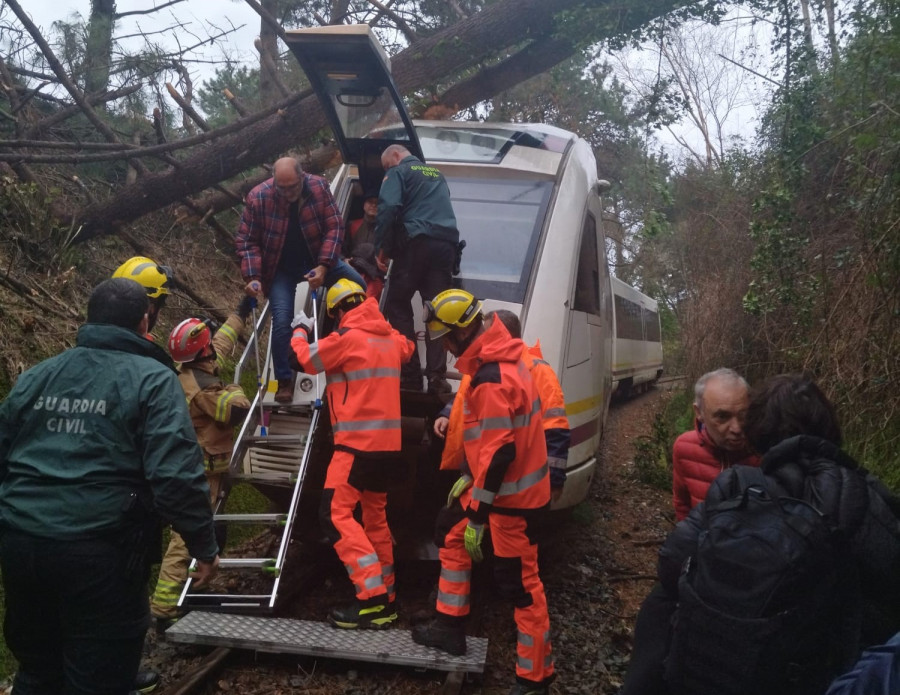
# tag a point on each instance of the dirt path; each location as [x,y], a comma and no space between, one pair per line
[597,564]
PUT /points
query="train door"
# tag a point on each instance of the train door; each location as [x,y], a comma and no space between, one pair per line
[586,380]
[351,75]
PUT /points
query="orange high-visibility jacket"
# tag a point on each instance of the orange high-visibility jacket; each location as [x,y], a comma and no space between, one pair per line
[361,361]
[553,416]
[503,434]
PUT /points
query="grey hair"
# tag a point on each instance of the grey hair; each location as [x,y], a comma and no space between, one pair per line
[391,149]
[722,373]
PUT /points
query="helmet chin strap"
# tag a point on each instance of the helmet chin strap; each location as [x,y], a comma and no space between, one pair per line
[463,345]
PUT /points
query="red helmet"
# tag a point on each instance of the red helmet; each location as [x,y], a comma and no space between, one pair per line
[189,339]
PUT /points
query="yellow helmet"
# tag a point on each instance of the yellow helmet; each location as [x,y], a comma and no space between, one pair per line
[450,309]
[341,291]
[146,272]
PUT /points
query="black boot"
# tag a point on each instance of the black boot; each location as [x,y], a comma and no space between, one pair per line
[524,687]
[145,682]
[444,632]
[375,614]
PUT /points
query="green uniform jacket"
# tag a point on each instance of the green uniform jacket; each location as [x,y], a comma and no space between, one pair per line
[82,432]
[415,198]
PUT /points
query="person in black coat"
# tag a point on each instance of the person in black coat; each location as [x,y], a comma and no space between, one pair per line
[794,427]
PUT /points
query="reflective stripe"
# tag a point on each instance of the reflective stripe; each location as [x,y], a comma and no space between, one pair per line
[349,569]
[373,582]
[222,404]
[537,361]
[503,422]
[229,333]
[555,412]
[457,576]
[314,358]
[524,639]
[386,570]
[357,374]
[547,637]
[555,462]
[367,560]
[363,425]
[483,495]
[548,661]
[390,588]
[523,483]
[526,664]
[456,600]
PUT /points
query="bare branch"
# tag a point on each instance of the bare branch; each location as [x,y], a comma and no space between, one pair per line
[398,20]
[119,15]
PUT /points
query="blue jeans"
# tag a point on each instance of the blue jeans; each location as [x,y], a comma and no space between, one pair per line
[281,302]
[75,621]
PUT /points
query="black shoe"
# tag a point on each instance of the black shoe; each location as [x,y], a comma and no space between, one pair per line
[441,635]
[439,387]
[358,615]
[524,687]
[145,682]
[530,689]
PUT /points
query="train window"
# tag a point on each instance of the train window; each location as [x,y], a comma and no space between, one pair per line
[587,284]
[500,222]
[651,326]
[628,320]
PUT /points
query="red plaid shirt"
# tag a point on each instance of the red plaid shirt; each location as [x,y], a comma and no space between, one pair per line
[264,224]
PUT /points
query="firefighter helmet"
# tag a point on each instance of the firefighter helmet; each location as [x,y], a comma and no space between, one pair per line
[340,292]
[450,309]
[145,271]
[189,340]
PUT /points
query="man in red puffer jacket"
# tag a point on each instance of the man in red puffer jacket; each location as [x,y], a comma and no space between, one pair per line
[717,441]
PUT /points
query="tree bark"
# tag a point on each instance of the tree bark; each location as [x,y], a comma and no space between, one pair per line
[503,24]
[99,46]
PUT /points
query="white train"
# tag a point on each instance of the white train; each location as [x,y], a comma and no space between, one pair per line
[527,201]
[637,361]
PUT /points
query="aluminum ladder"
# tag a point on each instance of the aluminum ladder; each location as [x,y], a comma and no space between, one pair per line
[274,446]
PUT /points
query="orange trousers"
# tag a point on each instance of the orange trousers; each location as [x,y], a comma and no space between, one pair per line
[366,549]
[516,574]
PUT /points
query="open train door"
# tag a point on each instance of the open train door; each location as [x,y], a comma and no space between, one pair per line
[351,74]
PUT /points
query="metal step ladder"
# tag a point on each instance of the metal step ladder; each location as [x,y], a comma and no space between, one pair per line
[289,636]
[273,446]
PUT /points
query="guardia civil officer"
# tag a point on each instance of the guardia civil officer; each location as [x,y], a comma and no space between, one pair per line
[415,226]
[96,451]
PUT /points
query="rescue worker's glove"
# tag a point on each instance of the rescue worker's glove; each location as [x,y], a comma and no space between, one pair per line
[473,536]
[245,307]
[303,321]
[459,487]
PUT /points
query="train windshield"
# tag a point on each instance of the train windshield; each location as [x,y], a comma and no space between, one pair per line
[500,222]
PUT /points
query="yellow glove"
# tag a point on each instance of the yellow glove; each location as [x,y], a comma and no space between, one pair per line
[459,487]
[473,536]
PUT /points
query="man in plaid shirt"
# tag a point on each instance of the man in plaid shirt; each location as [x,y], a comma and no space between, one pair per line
[291,231]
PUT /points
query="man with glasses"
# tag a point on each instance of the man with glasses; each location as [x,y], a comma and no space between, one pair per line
[291,231]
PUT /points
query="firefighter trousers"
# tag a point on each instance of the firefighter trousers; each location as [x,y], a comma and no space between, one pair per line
[366,549]
[516,574]
[173,571]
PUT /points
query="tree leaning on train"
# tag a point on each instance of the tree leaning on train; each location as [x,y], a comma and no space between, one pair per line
[507,456]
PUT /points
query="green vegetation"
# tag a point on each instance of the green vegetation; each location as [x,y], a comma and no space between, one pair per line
[653,452]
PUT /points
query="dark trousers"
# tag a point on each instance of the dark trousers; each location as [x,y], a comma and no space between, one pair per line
[652,633]
[424,265]
[74,621]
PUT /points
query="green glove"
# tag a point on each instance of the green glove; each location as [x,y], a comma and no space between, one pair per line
[459,487]
[473,535]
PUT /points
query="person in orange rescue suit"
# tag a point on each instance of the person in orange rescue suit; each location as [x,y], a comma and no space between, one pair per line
[717,442]
[553,411]
[361,360]
[215,408]
[506,453]
[153,277]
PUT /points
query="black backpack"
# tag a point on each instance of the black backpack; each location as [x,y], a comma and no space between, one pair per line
[768,604]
